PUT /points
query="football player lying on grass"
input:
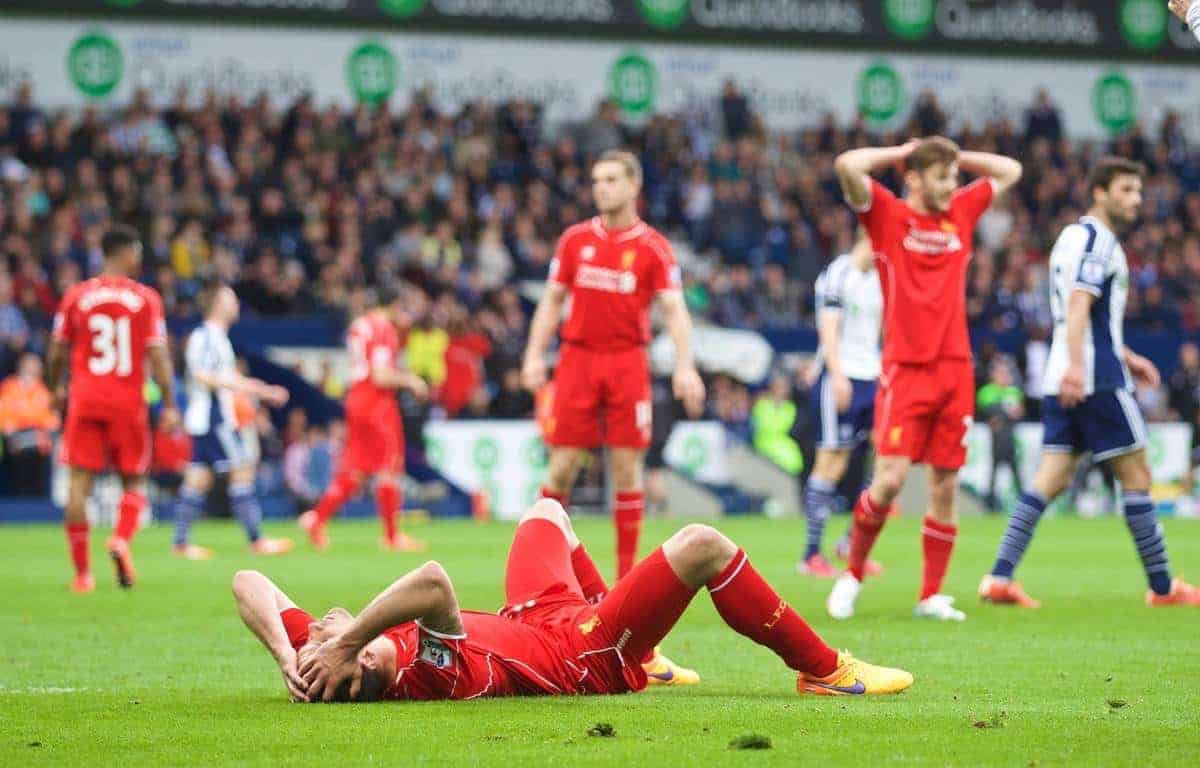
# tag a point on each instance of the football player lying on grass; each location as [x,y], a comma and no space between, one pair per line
[562,631]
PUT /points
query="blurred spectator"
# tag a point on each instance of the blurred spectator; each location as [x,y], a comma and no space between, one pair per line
[14,330]
[512,401]
[735,111]
[26,421]
[1184,384]
[1042,120]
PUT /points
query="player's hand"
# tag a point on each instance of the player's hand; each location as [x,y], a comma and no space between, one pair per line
[1144,372]
[1070,390]
[275,396]
[418,388]
[811,373]
[689,388]
[1180,8]
[843,393]
[58,402]
[168,420]
[297,688]
[533,373]
[334,663]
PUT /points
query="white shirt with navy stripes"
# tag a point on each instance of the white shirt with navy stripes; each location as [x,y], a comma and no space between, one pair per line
[208,351]
[857,299]
[1088,257]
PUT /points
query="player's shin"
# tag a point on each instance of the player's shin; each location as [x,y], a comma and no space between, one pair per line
[1147,534]
[750,606]
[129,514]
[627,517]
[818,500]
[335,496]
[246,509]
[188,507]
[869,519]
[937,544]
[388,499]
[77,545]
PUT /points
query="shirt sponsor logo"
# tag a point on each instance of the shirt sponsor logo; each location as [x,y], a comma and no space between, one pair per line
[931,241]
[435,652]
[605,279]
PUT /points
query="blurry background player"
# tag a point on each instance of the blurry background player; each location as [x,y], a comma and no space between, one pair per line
[374,431]
[926,398]
[849,313]
[219,444]
[1002,405]
[612,266]
[555,637]
[1089,380]
[109,326]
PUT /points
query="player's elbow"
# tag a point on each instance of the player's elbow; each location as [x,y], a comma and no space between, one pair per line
[433,577]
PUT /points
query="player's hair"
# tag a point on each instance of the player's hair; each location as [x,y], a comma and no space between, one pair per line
[208,296]
[935,150]
[117,238]
[627,160]
[1107,169]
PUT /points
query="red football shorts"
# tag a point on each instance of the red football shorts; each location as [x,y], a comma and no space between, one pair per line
[374,439]
[609,639]
[600,398]
[925,412]
[96,442]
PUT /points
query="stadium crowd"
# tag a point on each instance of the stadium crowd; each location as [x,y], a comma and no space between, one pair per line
[302,207]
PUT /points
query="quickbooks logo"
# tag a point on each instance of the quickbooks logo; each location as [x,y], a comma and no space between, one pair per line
[664,14]
[880,92]
[372,72]
[632,83]
[95,64]
[909,19]
[1144,23]
[1114,100]
[401,9]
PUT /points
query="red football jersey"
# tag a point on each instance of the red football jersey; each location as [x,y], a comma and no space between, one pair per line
[495,656]
[374,343]
[923,272]
[109,322]
[613,276]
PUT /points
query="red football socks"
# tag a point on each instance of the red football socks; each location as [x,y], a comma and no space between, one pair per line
[561,498]
[77,543]
[387,503]
[588,575]
[869,519]
[627,517]
[129,514]
[937,542]
[751,607]
[335,496]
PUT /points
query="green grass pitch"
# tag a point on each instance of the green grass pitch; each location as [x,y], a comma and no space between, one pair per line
[166,674]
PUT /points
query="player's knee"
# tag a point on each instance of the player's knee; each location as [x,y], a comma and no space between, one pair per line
[546,509]
[242,580]
[703,544]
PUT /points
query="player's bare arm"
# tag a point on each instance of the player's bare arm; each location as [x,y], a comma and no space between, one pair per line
[1004,172]
[854,169]
[57,357]
[246,385]
[541,330]
[1188,12]
[685,381]
[829,323]
[424,595]
[260,603]
[1079,307]
[398,377]
[163,374]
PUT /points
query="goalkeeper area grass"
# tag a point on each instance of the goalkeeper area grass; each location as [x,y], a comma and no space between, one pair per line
[167,675]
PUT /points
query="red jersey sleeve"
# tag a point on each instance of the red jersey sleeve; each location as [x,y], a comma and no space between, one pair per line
[973,199]
[295,622]
[153,316]
[875,215]
[562,268]
[64,318]
[665,275]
